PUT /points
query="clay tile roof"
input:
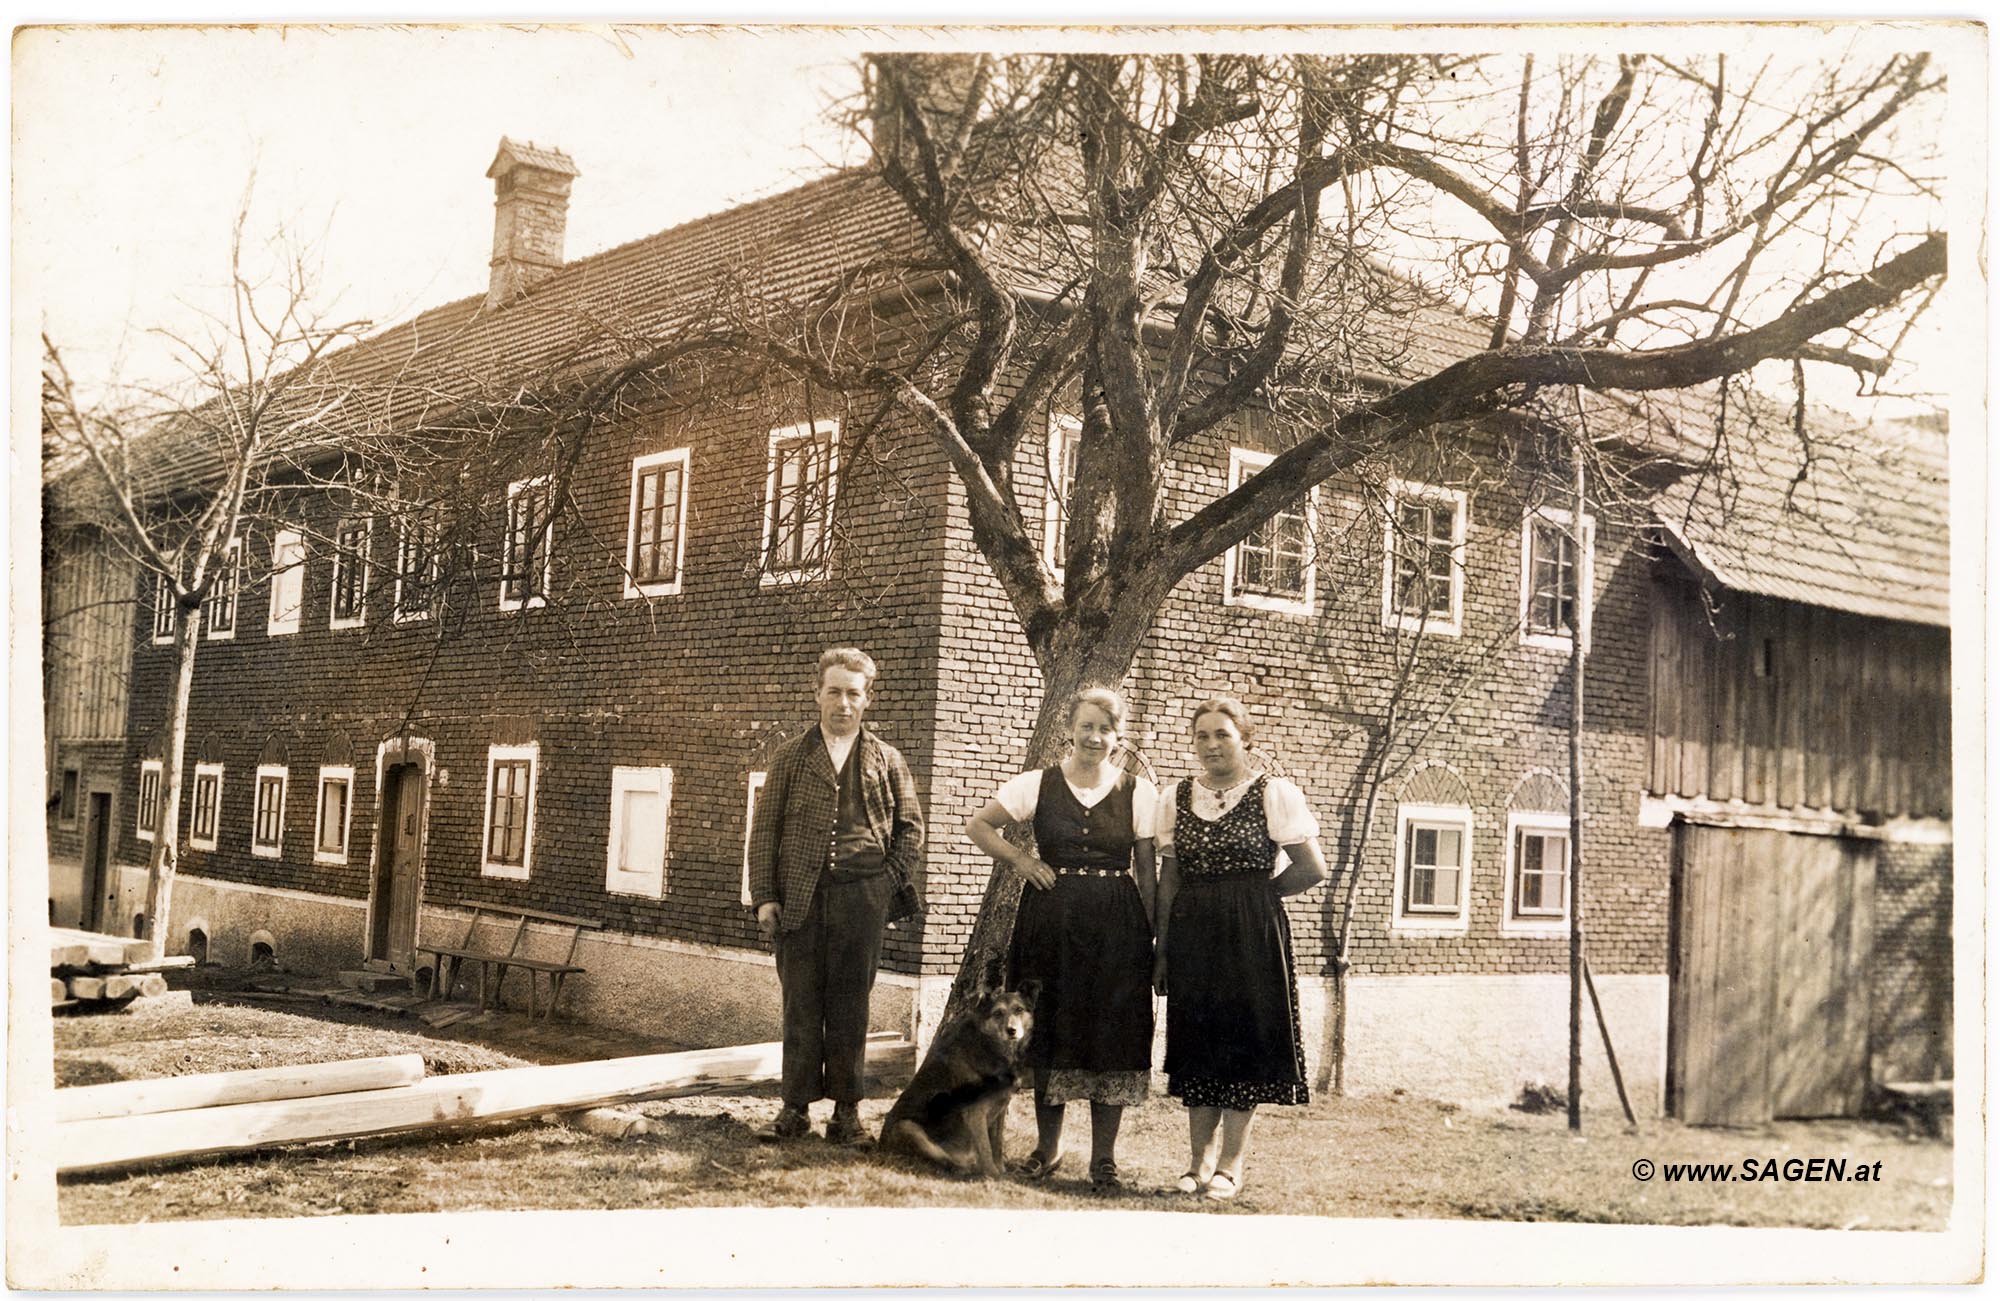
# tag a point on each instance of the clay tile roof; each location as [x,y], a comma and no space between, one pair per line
[1853,517]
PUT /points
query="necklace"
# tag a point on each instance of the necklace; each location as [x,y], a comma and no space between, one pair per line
[1212,802]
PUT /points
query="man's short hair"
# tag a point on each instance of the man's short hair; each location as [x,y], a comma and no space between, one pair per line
[845,657]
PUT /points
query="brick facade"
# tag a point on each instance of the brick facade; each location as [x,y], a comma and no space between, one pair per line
[1911,993]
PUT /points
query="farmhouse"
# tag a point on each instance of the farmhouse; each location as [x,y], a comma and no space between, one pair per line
[579,727]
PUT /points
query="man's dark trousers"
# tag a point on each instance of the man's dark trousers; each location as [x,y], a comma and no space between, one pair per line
[826,968]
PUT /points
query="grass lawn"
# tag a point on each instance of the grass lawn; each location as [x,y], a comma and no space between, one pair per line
[1374,1156]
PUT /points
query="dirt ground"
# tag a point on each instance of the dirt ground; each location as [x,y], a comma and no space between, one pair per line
[1391,1156]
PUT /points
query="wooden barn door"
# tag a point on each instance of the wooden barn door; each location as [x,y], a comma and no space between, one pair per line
[1769,1003]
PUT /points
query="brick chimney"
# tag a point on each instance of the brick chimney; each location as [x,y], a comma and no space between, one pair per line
[530,210]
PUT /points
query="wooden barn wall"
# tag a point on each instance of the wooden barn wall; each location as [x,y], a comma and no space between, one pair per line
[1789,706]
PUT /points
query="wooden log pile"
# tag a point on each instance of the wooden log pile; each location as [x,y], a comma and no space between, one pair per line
[140,1122]
[89,972]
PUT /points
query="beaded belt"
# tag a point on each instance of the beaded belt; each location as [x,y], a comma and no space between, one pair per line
[1091,871]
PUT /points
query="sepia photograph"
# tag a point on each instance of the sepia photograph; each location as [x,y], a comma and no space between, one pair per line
[809,656]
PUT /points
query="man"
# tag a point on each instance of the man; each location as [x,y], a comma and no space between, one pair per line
[837,828]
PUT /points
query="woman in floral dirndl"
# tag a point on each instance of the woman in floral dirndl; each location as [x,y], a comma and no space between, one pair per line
[1225,949]
[1083,939]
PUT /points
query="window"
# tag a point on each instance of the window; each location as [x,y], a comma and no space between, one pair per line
[641,799]
[350,574]
[288,582]
[66,797]
[1423,570]
[1552,575]
[163,610]
[222,596]
[798,501]
[654,538]
[335,814]
[1065,431]
[510,810]
[267,820]
[524,560]
[417,564]
[1433,847]
[1272,569]
[1537,873]
[149,800]
[750,820]
[207,806]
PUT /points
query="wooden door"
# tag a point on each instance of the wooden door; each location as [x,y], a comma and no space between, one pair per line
[401,862]
[96,860]
[1769,997]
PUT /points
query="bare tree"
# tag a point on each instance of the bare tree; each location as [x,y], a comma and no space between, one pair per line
[1182,242]
[256,387]
[1352,252]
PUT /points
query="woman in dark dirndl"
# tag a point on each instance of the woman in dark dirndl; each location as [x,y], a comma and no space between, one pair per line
[1083,939]
[1225,949]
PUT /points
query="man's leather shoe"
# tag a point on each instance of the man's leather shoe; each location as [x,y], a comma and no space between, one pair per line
[845,1130]
[790,1123]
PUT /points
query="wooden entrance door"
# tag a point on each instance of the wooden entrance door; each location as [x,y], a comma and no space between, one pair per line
[399,867]
[1769,1002]
[96,860]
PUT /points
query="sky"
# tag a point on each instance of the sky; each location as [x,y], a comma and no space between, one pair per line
[133,149]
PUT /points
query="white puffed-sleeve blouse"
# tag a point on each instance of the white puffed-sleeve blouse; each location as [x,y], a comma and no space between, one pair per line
[1286,815]
[1022,794]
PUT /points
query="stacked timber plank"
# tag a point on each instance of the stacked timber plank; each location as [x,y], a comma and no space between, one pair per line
[111,1126]
[89,972]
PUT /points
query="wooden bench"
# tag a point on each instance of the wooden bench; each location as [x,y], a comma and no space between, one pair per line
[448,960]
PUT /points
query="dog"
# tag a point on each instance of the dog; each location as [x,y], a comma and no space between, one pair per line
[954,1113]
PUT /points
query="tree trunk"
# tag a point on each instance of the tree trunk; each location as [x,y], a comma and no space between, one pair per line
[1341,962]
[166,844]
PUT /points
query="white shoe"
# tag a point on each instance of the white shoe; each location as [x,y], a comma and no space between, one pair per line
[1221,1187]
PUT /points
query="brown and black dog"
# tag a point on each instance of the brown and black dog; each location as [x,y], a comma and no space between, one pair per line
[955,1111]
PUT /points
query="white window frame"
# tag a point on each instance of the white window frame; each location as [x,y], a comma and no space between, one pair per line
[163,611]
[1401,491]
[158,771]
[648,882]
[766,577]
[1585,576]
[753,789]
[1459,817]
[498,754]
[1552,923]
[1243,463]
[228,577]
[286,573]
[334,772]
[537,594]
[1065,431]
[266,771]
[414,521]
[640,465]
[195,840]
[360,616]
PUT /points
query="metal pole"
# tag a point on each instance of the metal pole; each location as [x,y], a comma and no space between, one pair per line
[1576,798]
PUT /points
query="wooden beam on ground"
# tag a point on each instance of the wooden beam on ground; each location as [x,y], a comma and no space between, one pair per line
[159,964]
[440,1102]
[230,1088]
[73,948]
